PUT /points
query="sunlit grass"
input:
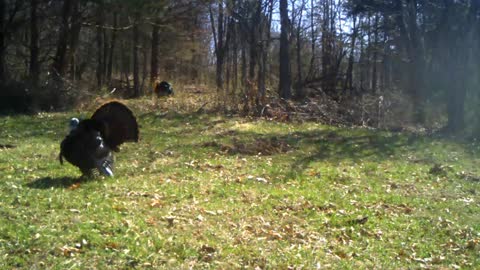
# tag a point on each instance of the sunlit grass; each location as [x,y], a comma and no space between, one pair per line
[208,191]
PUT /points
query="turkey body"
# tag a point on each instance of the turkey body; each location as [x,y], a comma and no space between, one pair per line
[163,89]
[91,143]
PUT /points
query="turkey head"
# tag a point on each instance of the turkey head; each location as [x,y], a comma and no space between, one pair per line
[91,142]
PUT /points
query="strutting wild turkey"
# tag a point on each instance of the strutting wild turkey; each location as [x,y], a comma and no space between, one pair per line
[90,143]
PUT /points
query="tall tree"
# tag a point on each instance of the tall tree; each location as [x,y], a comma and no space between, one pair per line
[235,39]
[285,83]
[313,40]
[154,51]
[332,48]
[348,85]
[458,41]
[135,45]
[76,26]
[375,53]
[60,61]
[113,42]
[300,91]
[412,37]
[264,46]
[253,37]
[34,66]
[100,42]
[219,42]
[3,45]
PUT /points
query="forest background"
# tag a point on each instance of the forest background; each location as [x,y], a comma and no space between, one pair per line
[399,65]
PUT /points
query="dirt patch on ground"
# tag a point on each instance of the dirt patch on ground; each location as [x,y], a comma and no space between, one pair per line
[262,146]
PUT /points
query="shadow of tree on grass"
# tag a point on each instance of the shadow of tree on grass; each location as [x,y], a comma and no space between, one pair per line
[337,147]
[325,145]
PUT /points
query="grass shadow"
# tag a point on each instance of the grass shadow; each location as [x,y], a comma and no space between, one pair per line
[58,182]
[325,145]
[337,147]
[53,128]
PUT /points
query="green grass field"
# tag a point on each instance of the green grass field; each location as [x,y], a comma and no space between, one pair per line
[207,191]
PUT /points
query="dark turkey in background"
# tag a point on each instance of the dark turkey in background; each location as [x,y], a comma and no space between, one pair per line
[163,89]
[91,142]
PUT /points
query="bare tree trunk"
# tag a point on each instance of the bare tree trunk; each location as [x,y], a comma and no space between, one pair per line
[2,40]
[227,52]
[417,62]
[144,64]
[313,38]
[125,67]
[34,45]
[259,47]
[243,57]
[74,38]
[112,47]
[407,23]
[458,53]
[300,93]
[100,41]
[228,72]
[254,41]
[105,53]
[361,70]
[220,46]
[456,101]
[285,71]
[252,61]
[218,36]
[193,70]
[325,48]
[375,54]
[59,61]
[259,99]
[154,55]
[235,61]
[136,79]
[348,86]
[264,46]
[329,72]
[386,59]
[368,53]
